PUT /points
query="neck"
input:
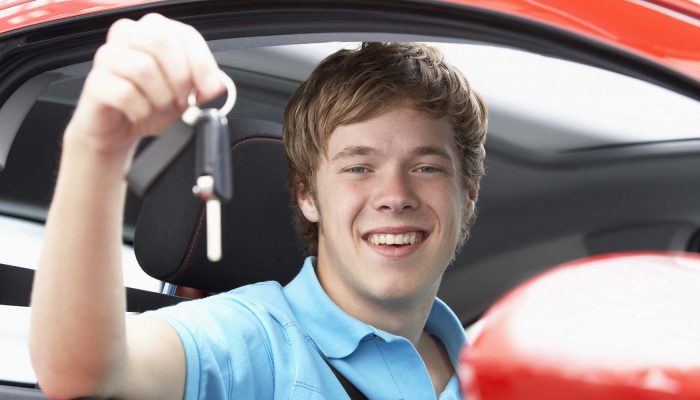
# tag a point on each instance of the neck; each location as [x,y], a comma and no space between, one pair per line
[405,317]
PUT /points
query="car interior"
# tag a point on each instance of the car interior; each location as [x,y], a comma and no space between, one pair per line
[580,161]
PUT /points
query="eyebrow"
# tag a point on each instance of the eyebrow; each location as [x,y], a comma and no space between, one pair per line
[354,151]
[432,151]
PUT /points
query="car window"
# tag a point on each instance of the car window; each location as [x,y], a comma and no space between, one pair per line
[22,240]
[538,103]
[15,365]
[545,113]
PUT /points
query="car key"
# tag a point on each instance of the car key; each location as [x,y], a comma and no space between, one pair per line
[212,162]
[213,172]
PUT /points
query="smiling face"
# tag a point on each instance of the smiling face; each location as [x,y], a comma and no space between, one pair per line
[390,202]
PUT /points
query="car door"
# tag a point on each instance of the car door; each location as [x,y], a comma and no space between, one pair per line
[46,48]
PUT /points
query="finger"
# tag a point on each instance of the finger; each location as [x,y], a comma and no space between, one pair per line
[158,36]
[170,53]
[205,70]
[159,122]
[142,70]
[119,94]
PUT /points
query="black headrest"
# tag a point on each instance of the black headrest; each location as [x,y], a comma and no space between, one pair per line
[258,236]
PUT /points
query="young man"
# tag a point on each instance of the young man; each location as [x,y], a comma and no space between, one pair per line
[386,150]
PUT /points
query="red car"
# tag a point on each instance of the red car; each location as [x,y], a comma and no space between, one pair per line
[593,145]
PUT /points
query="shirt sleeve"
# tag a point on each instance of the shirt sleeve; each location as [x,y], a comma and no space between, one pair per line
[227,350]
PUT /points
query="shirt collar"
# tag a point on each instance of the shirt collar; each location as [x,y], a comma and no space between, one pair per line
[335,332]
[444,324]
[324,321]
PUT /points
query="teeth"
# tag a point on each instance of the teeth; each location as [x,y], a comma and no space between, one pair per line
[404,238]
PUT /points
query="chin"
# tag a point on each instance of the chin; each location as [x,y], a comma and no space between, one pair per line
[395,292]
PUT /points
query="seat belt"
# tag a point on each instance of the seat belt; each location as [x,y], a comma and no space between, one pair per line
[350,389]
[16,288]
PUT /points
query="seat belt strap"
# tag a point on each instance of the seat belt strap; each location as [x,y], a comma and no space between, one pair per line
[150,163]
[350,389]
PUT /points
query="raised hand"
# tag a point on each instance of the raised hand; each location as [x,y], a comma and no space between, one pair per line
[140,81]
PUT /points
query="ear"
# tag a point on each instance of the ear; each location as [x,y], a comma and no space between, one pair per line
[307,204]
[473,196]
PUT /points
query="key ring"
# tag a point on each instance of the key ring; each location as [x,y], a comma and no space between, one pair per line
[193,112]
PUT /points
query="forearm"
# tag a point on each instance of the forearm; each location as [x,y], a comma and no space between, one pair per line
[78,301]
[78,334]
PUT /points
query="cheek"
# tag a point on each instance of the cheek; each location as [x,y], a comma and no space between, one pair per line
[450,207]
[342,203]
[458,209]
[351,200]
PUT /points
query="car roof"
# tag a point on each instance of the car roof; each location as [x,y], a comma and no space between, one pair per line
[599,21]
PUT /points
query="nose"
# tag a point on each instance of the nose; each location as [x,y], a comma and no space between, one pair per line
[395,193]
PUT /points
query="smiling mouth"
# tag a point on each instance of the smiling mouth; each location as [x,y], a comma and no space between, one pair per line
[391,239]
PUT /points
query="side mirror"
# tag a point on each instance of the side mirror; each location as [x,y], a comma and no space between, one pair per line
[619,326]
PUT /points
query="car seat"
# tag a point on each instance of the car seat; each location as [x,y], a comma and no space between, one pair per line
[259,241]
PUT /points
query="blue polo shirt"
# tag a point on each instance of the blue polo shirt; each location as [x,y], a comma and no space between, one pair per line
[265,341]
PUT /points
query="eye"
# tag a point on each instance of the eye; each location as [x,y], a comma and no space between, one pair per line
[428,169]
[357,170]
